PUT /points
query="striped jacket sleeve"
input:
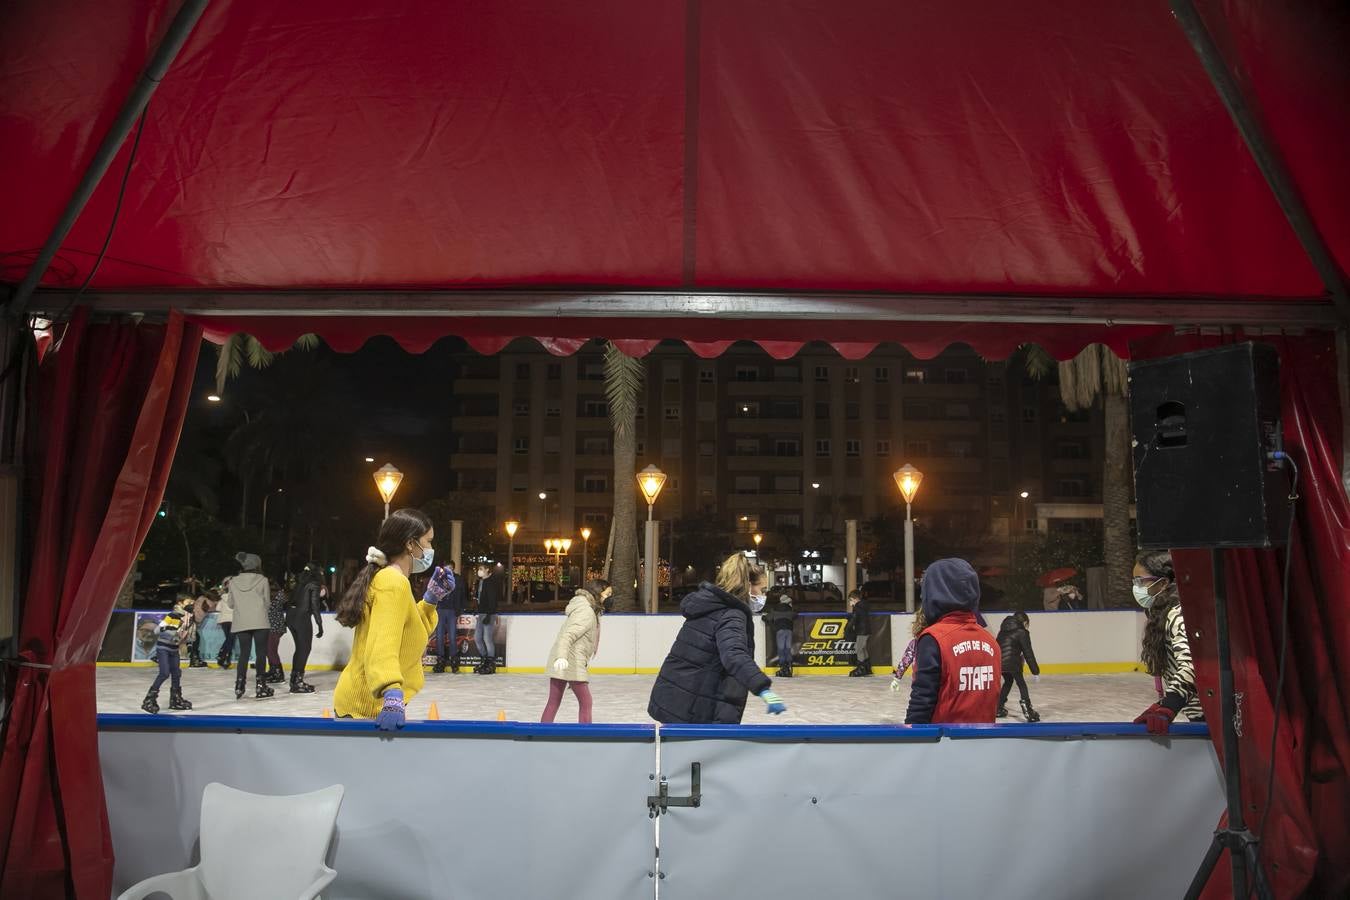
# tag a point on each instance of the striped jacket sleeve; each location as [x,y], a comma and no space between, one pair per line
[1179,672]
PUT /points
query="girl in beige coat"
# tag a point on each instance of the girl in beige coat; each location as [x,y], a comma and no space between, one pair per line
[577,642]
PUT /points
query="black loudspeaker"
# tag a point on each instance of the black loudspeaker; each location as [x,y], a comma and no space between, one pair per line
[1206,426]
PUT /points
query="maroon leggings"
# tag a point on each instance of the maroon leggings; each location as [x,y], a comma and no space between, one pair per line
[273,650]
[556,687]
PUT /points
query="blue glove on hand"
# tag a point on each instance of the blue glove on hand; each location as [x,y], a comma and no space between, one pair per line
[776,705]
[394,714]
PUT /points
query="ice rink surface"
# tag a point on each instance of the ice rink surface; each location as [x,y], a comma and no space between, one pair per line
[811,700]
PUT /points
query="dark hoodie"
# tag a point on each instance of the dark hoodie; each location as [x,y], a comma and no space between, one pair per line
[711,667]
[949,586]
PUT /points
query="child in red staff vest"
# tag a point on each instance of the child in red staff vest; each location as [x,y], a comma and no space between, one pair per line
[958,665]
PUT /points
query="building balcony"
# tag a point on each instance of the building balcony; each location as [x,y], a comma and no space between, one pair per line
[462,424]
[925,428]
[753,389]
[473,461]
[763,425]
[759,463]
[477,385]
[750,503]
[968,391]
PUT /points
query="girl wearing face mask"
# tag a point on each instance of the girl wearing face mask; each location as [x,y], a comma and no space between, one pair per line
[711,668]
[1166,653]
[577,642]
[385,671]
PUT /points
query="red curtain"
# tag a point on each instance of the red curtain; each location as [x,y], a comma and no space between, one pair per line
[109,407]
[1307,839]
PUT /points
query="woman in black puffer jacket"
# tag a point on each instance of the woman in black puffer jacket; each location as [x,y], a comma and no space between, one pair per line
[1014,638]
[711,668]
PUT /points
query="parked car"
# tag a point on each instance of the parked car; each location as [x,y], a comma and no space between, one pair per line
[821,592]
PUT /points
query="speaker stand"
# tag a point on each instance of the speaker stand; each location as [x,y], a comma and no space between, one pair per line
[1236,838]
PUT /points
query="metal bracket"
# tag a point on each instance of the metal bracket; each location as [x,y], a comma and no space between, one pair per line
[661,801]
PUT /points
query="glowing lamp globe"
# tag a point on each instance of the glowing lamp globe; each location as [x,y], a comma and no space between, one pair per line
[908,479]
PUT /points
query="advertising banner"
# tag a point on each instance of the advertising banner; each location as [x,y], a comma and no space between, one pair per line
[825,640]
[465,644]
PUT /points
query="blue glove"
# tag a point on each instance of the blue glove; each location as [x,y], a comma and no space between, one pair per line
[776,705]
[394,714]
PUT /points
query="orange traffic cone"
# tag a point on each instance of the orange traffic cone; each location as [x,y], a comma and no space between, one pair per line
[433,713]
[501,715]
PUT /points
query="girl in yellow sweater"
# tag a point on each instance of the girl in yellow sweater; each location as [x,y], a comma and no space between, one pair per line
[385,670]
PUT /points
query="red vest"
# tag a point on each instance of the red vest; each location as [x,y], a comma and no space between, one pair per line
[971,670]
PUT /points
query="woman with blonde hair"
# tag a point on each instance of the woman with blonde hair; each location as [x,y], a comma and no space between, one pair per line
[711,668]
[392,628]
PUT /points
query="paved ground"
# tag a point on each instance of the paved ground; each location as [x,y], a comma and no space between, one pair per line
[813,700]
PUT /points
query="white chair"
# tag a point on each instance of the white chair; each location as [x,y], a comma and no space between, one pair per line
[255,846]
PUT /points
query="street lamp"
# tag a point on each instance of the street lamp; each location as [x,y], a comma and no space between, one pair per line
[387,480]
[908,479]
[585,553]
[213,398]
[511,526]
[1012,534]
[757,538]
[650,481]
[266,497]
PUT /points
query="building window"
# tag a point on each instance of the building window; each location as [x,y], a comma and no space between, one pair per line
[853,448]
[822,447]
[554,371]
[554,412]
[706,375]
[594,484]
[639,448]
[521,409]
[521,445]
[822,373]
[918,448]
[787,484]
[822,409]
[883,448]
[595,446]
[671,447]
[747,446]
[670,371]
[787,521]
[595,519]
[522,371]
[706,448]
[747,524]
[746,484]
[595,409]
[917,410]
[882,374]
[787,447]
[916,376]
[1071,450]
[745,409]
[851,375]
[852,411]
[1071,487]
[960,449]
[593,371]
[956,376]
[786,373]
[747,373]
[1029,414]
[672,413]
[957,411]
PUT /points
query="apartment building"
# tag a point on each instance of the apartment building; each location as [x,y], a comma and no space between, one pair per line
[775,445]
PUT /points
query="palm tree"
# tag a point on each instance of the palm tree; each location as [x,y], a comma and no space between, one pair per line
[1097,373]
[238,347]
[623,388]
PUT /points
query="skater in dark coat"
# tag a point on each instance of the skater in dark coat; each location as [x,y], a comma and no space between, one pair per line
[711,668]
[779,618]
[1014,639]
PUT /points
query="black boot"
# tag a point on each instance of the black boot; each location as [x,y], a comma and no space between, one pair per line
[490,667]
[151,702]
[239,684]
[439,668]
[195,660]
[299,685]
[262,691]
[276,676]
[1002,712]
[855,672]
[223,661]
[176,700]
[454,665]
[1031,714]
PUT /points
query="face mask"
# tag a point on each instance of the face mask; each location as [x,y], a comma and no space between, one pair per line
[756,602]
[422,563]
[1142,596]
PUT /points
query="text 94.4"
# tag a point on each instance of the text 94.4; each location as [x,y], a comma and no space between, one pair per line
[821,661]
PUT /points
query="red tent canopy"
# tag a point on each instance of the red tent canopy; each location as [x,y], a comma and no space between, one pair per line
[1035,162]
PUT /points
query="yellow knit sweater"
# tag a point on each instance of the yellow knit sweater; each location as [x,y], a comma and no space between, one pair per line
[387,649]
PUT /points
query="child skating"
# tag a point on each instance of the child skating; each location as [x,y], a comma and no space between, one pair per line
[170,636]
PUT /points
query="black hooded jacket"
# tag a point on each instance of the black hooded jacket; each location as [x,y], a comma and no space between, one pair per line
[1015,641]
[711,667]
[779,617]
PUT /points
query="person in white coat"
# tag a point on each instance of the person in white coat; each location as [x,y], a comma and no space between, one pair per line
[577,642]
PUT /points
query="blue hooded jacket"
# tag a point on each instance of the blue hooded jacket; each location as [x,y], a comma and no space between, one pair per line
[949,585]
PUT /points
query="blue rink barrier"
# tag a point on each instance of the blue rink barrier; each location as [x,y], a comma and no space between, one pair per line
[518,809]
